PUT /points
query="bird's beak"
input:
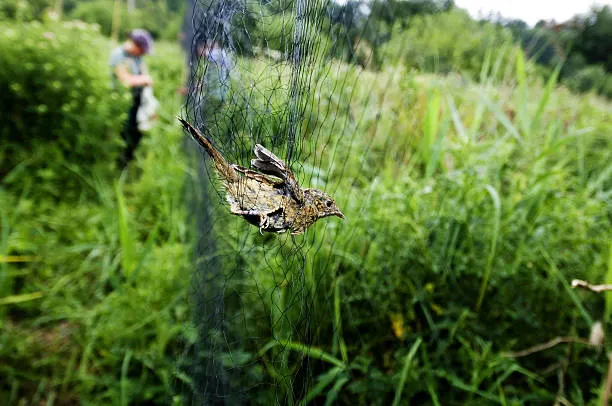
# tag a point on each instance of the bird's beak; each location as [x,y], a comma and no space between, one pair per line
[339,214]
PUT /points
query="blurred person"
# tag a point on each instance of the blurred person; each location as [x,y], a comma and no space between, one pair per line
[218,72]
[129,69]
[213,87]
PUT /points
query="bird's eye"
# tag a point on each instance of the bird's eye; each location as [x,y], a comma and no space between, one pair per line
[328,203]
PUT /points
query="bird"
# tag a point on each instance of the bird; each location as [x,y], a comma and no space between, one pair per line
[269,198]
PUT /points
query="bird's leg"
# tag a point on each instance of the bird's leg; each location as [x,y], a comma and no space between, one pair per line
[263,222]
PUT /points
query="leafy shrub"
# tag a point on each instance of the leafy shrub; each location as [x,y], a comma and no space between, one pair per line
[22,10]
[111,223]
[172,28]
[444,42]
[154,17]
[95,12]
[277,32]
[591,77]
[56,107]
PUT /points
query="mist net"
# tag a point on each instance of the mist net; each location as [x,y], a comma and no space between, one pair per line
[294,76]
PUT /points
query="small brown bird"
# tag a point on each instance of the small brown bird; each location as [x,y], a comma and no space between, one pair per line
[274,204]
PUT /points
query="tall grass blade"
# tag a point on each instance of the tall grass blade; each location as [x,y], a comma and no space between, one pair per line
[477,121]
[324,380]
[128,243]
[307,350]
[502,397]
[459,384]
[432,392]
[459,127]
[430,128]
[571,293]
[605,175]
[335,390]
[486,65]
[499,61]
[608,310]
[536,121]
[51,398]
[26,297]
[436,150]
[501,117]
[338,322]
[70,370]
[5,281]
[520,73]
[125,383]
[496,226]
[522,89]
[18,258]
[405,369]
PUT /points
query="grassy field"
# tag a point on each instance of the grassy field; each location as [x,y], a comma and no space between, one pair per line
[95,309]
[470,207]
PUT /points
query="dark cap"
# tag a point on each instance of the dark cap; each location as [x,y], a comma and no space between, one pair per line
[143,39]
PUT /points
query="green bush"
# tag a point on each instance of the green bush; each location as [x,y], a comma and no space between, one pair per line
[277,32]
[56,104]
[102,236]
[95,12]
[154,17]
[463,235]
[591,77]
[444,42]
[22,10]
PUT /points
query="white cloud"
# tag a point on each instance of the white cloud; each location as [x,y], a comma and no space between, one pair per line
[530,11]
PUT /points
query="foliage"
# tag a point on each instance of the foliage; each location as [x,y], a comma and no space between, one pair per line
[469,205]
[581,44]
[393,10]
[444,42]
[539,43]
[153,16]
[56,103]
[591,77]
[593,40]
[459,236]
[23,10]
[94,307]
[95,12]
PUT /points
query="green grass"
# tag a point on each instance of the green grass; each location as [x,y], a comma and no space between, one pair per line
[469,212]
[96,314]
[469,208]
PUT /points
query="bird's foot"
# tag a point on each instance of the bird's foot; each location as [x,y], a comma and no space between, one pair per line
[263,223]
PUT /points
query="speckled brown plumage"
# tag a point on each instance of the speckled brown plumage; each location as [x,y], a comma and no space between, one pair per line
[273,203]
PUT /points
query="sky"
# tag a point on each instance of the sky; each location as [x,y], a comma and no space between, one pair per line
[530,11]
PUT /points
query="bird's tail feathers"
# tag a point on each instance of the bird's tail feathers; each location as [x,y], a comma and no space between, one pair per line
[220,163]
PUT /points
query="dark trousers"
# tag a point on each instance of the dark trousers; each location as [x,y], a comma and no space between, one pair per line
[130,133]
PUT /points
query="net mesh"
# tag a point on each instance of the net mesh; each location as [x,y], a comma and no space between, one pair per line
[287,75]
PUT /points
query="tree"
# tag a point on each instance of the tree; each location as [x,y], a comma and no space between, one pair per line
[594,41]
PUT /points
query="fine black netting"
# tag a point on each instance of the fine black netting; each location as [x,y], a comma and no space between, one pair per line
[291,76]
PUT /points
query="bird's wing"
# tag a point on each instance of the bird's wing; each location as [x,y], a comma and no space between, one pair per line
[255,194]
[270,164]
[256,175]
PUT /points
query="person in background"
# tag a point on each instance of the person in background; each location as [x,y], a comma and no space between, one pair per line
[218,72]
[129,69]
[214,86]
